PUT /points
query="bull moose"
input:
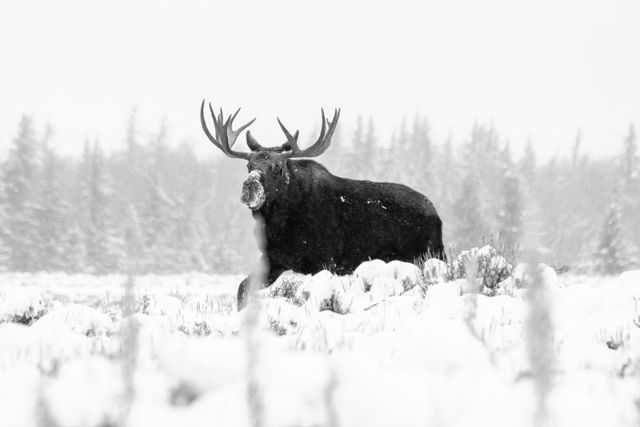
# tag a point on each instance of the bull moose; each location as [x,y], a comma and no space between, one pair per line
[313,220]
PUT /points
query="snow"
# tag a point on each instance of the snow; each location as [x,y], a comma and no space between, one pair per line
[392,344]
[78,318]
[24,305]
[85,393]
[630,279]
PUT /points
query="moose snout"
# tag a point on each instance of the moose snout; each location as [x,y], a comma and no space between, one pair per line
[252,191]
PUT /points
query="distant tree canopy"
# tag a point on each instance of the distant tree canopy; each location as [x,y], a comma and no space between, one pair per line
[183,213]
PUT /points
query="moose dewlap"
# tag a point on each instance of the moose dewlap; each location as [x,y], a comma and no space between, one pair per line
[311,220]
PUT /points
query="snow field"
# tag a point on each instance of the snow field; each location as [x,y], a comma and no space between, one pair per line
[392,344]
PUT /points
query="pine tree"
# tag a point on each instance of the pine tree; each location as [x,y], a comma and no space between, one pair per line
[386,160]
[19,174]
[630,179]
[445,186]
[446,175]
[510,218]
[51,212]
[131,139]
[104,250]
[156,203]
[369,151]
[470,228]
[612,255]
[128,168]
[575,151]
[630,159]
[355,168]
[4,240]
[528,164]
[419,159]
[475,208]
[187,234]
[401,155]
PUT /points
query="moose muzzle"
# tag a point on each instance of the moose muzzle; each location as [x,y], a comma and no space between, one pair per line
[252,191]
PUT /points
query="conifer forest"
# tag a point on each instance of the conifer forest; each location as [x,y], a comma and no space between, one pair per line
[180,212]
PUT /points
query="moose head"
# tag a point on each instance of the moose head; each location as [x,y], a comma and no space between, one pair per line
[268,166]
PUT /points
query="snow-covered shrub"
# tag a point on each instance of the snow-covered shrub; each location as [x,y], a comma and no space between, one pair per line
[384,287]
[320,287]
[521,278]
[372,283]
[370,270]
[23,306]
[202,325]
[78,318]
[45,346]
[199,328]
[287,286]
[159,305]
[434,271]
[491,267]
[280,316]
[408,274]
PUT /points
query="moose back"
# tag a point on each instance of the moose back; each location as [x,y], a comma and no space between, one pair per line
[312,220]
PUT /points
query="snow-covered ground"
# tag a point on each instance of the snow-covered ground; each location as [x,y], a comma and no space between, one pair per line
[391,345]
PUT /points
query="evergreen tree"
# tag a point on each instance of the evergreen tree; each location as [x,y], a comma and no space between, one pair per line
[393,163]
[630,179]
[131,139]
[19,177]
[480,186]
[401,155]
[156,204]
[355,168]
[127,169]
[387,162]
[612,255]
[630,159]
[104,250]
[419,158]
[510,218]
[446,183]
[469,228]
[446,176]
[528,163]
[369,169]
[187,235]
[51,211]
[575,151]
[5,251]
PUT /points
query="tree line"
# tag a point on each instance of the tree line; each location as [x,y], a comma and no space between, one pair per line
[183,212]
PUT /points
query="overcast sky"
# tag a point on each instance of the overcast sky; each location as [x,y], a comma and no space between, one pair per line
[538,70]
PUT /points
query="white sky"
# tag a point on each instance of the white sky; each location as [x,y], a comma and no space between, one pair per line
[538,69]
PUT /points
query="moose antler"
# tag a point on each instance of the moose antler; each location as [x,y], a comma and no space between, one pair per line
[225,135]
[323,142]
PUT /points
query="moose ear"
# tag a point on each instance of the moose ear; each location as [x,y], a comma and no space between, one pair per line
[287,145]
[252,143]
